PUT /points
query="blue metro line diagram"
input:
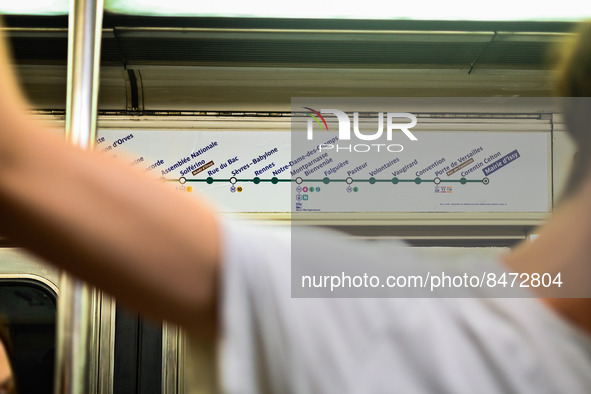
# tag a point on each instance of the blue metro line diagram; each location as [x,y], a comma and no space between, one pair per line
[327,180]
[256,172]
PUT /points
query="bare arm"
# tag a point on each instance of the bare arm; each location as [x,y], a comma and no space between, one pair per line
[563,247]
[109,224]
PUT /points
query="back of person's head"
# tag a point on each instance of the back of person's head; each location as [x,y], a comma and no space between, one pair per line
[574,72]
[574,84]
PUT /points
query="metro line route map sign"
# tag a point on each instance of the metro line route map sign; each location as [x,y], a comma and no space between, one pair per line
[447,172]
[262,171]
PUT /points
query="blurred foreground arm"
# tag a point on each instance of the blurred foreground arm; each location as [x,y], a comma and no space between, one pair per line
[103,221]
[563,247]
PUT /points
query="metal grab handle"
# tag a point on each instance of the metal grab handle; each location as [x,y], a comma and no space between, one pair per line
[75,302]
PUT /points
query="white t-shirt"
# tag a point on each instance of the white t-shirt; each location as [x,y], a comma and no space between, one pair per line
[273,343]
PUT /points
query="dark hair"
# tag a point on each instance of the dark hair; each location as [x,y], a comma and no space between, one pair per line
[574,83]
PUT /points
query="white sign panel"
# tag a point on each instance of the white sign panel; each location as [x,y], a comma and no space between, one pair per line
[235,170]
[439,172]
[261,171]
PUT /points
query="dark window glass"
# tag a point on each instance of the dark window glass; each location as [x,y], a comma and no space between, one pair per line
[28,309]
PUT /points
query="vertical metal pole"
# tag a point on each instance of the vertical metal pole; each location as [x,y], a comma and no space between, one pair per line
[75,305]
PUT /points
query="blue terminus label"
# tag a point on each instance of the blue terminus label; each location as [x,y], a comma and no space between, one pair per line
[502,162]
